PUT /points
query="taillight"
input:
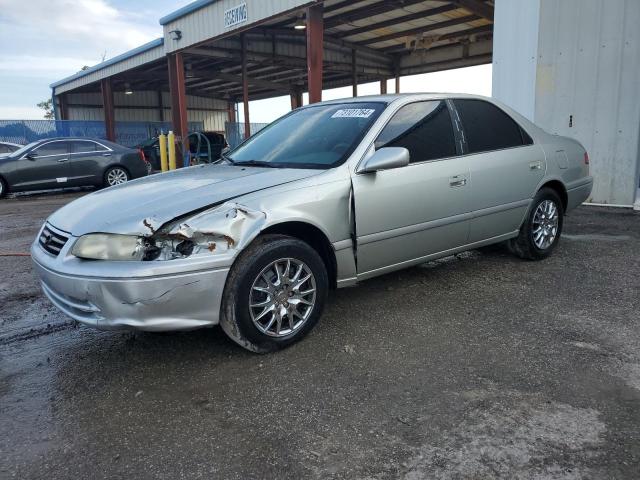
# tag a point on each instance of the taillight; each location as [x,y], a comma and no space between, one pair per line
[586,158]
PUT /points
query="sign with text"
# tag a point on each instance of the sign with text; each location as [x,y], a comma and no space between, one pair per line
[235,15]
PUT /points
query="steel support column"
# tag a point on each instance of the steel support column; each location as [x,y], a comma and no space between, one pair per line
[107,106]
[63,106]
[178,94]
[231,111]
[245,89]
[383,86]
[160,107]
[315,39]
[296,99]
[354,73]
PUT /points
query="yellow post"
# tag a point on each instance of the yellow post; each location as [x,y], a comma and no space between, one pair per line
[172,150]
[162,141]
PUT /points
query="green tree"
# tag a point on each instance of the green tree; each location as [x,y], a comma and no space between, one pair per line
[47,106]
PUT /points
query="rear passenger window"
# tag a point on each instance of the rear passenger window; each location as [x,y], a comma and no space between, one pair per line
[423,128]
[487,128]
[82,146]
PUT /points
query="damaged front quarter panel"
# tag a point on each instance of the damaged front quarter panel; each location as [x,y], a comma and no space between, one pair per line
[229,226]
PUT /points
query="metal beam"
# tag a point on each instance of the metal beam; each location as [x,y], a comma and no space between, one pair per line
[476,7]
[368,11]
[315,32]
[245,89]
[285,60]
[485,29]
[107,106]
[396,21]
[178,95]
[427,28]
[354,74]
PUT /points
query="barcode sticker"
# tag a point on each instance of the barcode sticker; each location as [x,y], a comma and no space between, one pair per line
[353,113]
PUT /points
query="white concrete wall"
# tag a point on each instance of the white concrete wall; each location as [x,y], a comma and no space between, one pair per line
[586,79]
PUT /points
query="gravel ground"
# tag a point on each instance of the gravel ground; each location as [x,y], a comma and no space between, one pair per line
[475,366]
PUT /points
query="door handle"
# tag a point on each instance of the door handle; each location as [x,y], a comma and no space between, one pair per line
[535,166]
[106,154]
[60,160]
[457,181]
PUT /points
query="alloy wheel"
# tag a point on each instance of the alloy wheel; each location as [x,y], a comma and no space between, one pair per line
[282,297]
[116,176]
[545,224]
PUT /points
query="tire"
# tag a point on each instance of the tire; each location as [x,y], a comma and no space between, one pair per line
[3,188]
[537,240]
[116,176]
[256,328]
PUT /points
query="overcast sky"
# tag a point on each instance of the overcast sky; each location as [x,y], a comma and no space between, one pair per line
[46,40]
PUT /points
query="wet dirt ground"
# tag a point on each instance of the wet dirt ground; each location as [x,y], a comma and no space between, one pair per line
[476,366]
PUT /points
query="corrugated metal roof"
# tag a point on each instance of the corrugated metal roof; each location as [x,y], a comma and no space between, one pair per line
[187,9]
[158,42]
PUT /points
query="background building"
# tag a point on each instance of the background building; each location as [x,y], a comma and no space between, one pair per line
[572,66]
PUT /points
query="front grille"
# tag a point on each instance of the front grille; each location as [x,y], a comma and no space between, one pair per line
[51,241]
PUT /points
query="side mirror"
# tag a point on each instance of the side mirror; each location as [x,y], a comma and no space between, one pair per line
[385,159]
[31,156]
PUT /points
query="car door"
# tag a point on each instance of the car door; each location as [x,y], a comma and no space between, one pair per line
[45,166]
[405,214]
[505,168]
[86,161]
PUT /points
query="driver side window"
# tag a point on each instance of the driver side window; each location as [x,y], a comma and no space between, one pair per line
[52,148]
[423,128]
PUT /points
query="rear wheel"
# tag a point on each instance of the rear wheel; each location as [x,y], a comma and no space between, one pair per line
[3,188]
[275,294]
[540,232]
[115,176]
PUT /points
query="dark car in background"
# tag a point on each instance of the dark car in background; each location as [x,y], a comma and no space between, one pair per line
[69,162]
[205,147]
[8,147]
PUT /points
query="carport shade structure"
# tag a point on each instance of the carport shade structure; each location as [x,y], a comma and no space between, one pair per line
[266,54]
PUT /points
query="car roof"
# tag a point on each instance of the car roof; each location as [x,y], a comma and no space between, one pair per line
[388,98]
[90,139]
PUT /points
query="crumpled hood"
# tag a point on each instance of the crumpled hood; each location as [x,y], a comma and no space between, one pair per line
[141,206]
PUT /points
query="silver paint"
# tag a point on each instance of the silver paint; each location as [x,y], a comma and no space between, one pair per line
[398,217]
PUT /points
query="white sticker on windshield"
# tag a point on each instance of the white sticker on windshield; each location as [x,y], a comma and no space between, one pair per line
[353,113]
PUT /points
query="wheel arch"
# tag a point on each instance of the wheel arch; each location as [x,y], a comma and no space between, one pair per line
[312,236]
[558,187]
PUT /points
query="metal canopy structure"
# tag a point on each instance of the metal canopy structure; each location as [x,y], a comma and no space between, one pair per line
[287,47]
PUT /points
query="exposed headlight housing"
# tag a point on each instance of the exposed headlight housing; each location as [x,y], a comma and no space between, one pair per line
[114,247]
[108,246]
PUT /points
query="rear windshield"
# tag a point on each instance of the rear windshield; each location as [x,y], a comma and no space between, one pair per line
[321,136]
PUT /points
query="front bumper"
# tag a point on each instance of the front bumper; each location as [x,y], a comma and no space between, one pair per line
[132,295]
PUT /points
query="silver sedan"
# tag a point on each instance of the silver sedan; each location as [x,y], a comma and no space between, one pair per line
[329,195]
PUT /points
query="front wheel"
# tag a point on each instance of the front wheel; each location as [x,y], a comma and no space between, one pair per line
[540,232]
[115,176]
[275,294]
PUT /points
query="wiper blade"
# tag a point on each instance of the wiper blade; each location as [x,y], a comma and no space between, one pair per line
[223,156]
[257,163]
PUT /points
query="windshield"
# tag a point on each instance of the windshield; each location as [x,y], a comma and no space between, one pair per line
[320,136]
[22,150]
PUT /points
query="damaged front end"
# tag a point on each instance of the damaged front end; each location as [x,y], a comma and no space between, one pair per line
[226,227]
[229,226]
